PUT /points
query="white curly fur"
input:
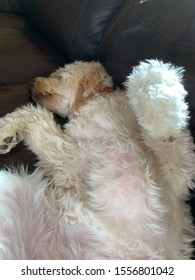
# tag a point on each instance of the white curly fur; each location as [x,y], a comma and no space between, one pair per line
[112,183]
[154,82]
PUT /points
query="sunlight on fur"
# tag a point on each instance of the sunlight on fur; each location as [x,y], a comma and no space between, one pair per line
[110,184]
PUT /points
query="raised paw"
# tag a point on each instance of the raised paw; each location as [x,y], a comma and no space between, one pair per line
[7,143]
[157,96]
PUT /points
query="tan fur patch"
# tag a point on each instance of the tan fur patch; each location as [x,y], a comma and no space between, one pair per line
[45,86]
[86,89]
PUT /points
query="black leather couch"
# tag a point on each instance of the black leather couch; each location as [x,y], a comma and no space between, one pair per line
[38,36]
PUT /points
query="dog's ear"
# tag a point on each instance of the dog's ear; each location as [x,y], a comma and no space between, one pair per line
[44,92]
[86,89]
[44,86]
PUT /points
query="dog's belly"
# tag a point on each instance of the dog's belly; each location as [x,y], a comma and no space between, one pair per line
[125,197]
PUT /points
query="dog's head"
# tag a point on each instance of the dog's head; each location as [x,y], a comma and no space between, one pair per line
[71,87]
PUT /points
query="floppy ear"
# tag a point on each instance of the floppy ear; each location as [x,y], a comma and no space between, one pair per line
[45,93]
[44,86]
[87,88]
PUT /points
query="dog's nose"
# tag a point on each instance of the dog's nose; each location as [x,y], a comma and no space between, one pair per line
[3,147]
[8,139]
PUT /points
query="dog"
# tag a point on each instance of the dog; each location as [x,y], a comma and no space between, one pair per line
[112,182]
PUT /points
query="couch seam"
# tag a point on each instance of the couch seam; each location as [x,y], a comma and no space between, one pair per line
[77,22]
[121,12]
[184,46]
[163,36]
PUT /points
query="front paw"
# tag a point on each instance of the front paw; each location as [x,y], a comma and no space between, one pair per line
[8,142]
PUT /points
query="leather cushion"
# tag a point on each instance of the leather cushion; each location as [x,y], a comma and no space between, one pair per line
[74,27]
[24,54]
[11,6]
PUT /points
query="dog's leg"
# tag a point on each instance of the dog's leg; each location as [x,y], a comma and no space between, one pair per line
[34,125]
[157,96]
[39,131]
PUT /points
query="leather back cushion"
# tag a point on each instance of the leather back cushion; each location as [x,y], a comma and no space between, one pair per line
[24,54]
[11,6]
[74,27]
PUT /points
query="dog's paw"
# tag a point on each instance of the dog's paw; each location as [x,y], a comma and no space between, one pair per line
[157,97]
[9,142]
[10,134]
